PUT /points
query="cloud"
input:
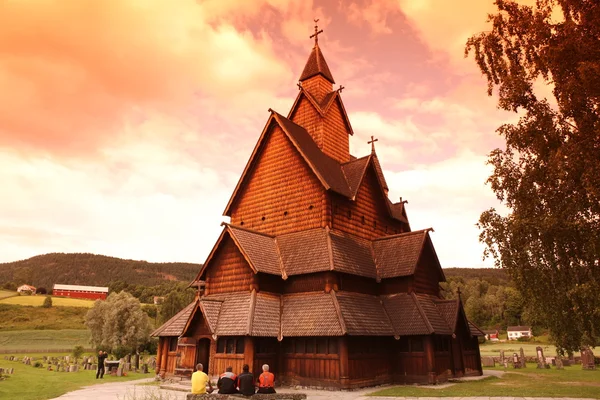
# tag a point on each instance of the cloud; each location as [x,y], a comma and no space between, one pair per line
[73,74]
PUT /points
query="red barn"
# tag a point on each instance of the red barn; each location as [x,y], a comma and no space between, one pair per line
[80,292]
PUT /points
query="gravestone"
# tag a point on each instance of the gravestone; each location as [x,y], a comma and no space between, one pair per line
[541,360]
[515,360]
[127,367]
[522,358]
[119,371]
[558,361]
[145,368]
[49,368]
[587,359]
[73,368]
[488,361]
[136,361]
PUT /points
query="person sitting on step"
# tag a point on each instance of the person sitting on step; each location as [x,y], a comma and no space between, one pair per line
[245,381]
[200,380]
[227,381]
[266,381]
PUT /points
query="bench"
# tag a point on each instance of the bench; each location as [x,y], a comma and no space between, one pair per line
[258,396]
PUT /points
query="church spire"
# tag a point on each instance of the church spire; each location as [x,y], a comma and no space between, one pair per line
[316,64]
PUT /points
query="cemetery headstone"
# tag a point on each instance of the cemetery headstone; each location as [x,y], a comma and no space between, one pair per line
[136,361]
[515,360]
[522,358]
[541,360]
[119,371]
[558,361]
[145,368]
[488,361]
[587,359]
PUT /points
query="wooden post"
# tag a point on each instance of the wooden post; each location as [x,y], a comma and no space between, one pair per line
[343,349]
[430,359]
[158,354]
[249,351]
[165,355]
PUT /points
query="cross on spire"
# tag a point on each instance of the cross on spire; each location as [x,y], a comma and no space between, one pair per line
[372,143]
[317,32]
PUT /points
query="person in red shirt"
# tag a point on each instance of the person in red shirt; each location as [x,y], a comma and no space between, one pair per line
[266,381]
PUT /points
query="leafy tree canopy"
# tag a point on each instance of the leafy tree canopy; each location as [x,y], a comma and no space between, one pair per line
[118,323]
[549,173]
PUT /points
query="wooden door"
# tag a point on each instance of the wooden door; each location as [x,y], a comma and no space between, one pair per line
[203,353]
[457,358]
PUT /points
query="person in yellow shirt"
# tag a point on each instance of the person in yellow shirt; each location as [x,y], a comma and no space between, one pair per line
[200,380]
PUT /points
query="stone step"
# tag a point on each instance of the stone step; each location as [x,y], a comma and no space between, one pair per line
[177,387]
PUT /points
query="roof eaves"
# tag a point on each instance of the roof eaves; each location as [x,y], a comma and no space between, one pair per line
[345,114]
[212,328]
[190,318]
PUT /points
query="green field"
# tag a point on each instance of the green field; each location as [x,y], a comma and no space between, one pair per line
[5,293]
[29,383]
[493,348]
[13,317]
[38,300]
[44,340]
[529,382]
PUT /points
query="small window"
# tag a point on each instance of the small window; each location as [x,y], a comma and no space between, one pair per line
[242,223]
[285,213]
[239,346]
[311,207]
[173,344]
[363,219]
[349,214]
[263,218]
[230,346]
[374,224]
[221,345]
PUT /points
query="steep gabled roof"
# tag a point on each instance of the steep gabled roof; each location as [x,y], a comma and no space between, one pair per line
[310,314]
[398,255]
[176,325]
[323,106]
[316,65]
[438,323]
[364,314]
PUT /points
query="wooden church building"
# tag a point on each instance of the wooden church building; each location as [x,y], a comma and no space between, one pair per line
[319,274]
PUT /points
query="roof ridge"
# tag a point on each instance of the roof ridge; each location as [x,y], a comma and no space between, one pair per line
[313,101]
[353,161]
[284,274]
[422,312]
[240,248]
[329,247]
[241,228]
[338,310]
[403,234]
[251,312]
[396,333]
[191,316]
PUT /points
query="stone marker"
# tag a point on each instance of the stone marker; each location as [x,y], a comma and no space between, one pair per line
[587,359]
[73,368]
[522,358]
[541,360]
[145,368]
[515,360]
[136,361]
[558,361]
[119,371]
[488,361]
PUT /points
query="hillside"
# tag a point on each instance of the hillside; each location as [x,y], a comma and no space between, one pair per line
[92,269]
[493,276]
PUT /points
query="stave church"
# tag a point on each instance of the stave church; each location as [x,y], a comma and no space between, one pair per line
[318,273]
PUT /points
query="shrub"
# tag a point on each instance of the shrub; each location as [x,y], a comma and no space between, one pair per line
[47,302]
[38,364]
[78,352]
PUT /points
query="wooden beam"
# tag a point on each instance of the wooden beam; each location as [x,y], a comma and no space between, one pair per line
[343,349]
[429,359]
[249,351]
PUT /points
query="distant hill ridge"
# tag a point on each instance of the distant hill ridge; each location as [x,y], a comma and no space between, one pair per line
[93,269]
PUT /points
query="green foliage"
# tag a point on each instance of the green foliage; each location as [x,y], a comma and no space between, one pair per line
[43,341]
[91,269]
[488,295]
[38,364]
[548,175]
[175,302]
[47,302]
[77,352]
[118,323]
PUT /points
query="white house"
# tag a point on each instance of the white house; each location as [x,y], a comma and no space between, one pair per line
[26,288]
[516,332]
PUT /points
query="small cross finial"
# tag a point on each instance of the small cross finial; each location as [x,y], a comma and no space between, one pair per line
[299,86]
[317,32]
[372,143]
[341,88]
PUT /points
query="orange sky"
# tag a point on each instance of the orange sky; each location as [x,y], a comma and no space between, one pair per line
[124,125]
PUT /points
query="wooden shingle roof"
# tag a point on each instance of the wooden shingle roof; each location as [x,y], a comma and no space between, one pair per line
[405,315]
[176,325]
[364,315]
[322,249]
[310,314]
[316,65]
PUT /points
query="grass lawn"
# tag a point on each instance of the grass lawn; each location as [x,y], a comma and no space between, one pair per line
[493,348]
[529,382]
[14,317]
[43,340]
[6,293]
[29,383]
[38,300]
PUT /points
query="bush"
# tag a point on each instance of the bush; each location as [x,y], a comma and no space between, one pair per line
[47,302]
[38,364]
[78,352]
[524,339]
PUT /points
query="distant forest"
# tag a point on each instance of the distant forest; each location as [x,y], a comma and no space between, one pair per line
[489,297]
[93,270]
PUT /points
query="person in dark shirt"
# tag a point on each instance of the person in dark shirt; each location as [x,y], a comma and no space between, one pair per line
[227,381]
[101,357]
[245,381]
